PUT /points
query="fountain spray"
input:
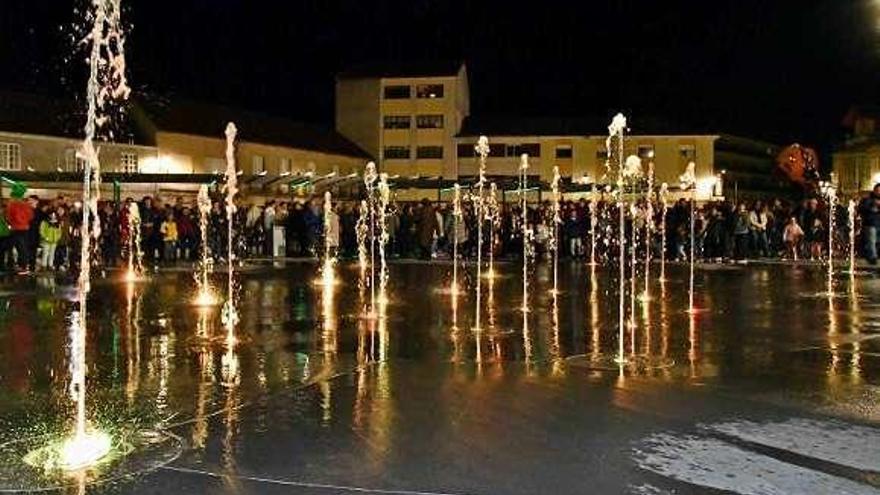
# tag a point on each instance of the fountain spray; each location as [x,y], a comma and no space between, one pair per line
[493,214]
[205,296]
[370,177]
[456,215]
[554,232]
[831,194]
[688,181]
[649,229]
[615,132]
[229,315]
[664,199]
[594,219]
[851,215]
[328,277]
[526,233]
[135,255]
[382,216]
[482,149]
[107,82]
[362,230]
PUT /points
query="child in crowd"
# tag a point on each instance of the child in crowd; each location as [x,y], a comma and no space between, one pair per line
[168,229]
[791,236]
[50,236]
[817,239]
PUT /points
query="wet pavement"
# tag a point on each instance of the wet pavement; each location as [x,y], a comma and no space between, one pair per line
[772,387]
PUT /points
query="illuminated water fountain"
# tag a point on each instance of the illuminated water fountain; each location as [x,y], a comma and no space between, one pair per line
[493,215]
[526,235]
[615,133]
[135,254]
[829,191]
[851,218]
[664,201]
[688,182]
[482,149]
[331,230]
[384,193]
[632,172]
[370,177]
[229,316]
[205,295]
[649,230]
[556,220]
[456,218]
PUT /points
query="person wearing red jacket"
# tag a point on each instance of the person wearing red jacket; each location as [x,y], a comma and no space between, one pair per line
[19,214]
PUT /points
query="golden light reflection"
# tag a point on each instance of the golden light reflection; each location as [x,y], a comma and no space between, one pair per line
[595,331]
[132,343]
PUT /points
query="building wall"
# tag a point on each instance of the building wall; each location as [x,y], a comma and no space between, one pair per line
[361,108]
[357,112]
[48,153]
[857,171]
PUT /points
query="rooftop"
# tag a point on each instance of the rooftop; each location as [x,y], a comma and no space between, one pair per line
[397,69]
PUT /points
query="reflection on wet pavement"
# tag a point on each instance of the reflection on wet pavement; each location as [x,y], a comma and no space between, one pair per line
[319,398]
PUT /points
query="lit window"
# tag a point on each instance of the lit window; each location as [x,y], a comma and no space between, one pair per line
[129,163]
[397,92]
[396,153]
[259,164]
[687,152]
[284,168]
[396,121]
[10,156]
[646,151]
[73,162]
[563,151]
[429,121]
[429,91]
[429,152]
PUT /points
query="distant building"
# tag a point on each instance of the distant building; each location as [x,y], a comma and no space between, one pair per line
[856,162]
[406,117]
[417,122]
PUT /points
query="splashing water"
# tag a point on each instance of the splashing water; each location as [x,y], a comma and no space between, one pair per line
[615,136]
[594,219]
[830,193]
[328,273]
[370,177]
[493,215]
[632,172]
[688,181]
[384,193]
[554,232]
[851,216]
[135,254]
[482,149]
[664,200]
[362,230]
[229,316]
[456,216]
[205,295]
[526,235]
[649,230]
[107,82]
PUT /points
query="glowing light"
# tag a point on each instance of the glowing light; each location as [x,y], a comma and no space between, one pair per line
[73,454]
[206,298]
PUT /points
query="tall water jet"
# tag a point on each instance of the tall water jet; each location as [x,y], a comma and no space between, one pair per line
[594,219]
[482,149]
[107,82]
[362,230]
[615,132]
[230,314]
[851,218]
[829,190]
[526,233]
[370,177]
[135,254]
[456,218]
[649,229]
[205,295]
[664,202]
[384,193]
[556,219]
[632,172]
[688,181]
[328,273]
[493,215]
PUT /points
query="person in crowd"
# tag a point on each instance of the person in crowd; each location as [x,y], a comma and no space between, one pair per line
[269,228]
[869,211]
[792,236]
[187,234]
[741,233]
[50,236]
[19,215]
[758,222]
[168,230]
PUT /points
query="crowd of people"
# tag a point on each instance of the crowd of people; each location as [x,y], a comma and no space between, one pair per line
[38,234]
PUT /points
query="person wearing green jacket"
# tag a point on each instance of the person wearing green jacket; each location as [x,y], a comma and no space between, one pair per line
[50,235]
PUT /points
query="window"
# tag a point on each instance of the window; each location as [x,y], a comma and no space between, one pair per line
[465,151]
[429,152]
[429,91]
[396,121]
[496,149]
[397,92]
[601,157]
[128,163]
[259,164]
[73,162]
[531,149]
[563,151]
[687,152]
[396,153]
[284,168]
[429,121]
[646,151]
[10,156]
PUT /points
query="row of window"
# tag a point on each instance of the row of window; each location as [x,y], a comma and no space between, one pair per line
[405,121]
[502,150]
[404,92]
[403,152]
[10,159]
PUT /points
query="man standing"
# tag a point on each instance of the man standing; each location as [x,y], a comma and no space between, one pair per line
[19,214]
[869,209]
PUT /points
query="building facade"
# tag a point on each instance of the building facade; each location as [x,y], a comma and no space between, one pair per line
[856,162]
[408,120]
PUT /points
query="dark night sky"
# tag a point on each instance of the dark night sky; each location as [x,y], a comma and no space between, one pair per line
[780,69]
